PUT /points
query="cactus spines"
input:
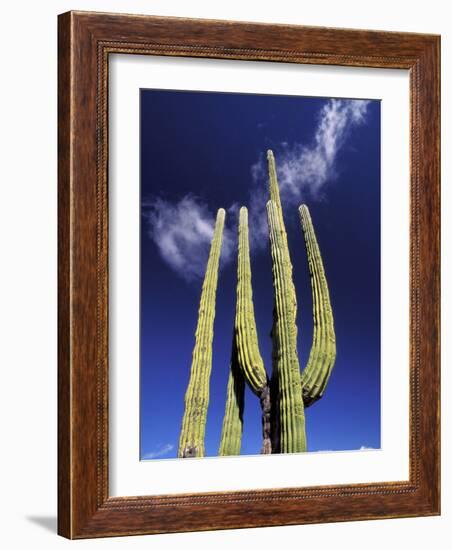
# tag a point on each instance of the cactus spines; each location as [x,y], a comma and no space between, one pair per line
[292,434]
[249,357]
[231,434]
[191,442]
[321,360]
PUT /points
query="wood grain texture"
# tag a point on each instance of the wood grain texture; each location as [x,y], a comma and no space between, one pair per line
[64,294]
[85,42]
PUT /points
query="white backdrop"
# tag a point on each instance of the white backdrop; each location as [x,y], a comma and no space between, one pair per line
[128,476]
[28,270]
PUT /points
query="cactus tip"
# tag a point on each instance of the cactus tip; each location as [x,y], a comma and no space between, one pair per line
[270,154]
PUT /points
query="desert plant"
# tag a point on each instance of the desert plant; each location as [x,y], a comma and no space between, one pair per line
[315,376]
[249,356]
[291,436]
[191,442]
[231,434]
[283,398]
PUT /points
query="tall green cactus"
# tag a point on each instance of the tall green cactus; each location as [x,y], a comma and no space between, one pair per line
[231,435]
[191,443]
[292,433]
[315,376]
[284,399]
[249,357]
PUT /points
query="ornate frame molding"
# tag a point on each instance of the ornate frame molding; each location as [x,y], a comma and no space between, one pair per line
[85,42]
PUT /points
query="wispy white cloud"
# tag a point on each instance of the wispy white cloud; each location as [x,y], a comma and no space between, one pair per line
[164,450]
[304,169]
[182,232]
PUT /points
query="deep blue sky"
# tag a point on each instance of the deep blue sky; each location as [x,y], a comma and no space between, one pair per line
[205,144]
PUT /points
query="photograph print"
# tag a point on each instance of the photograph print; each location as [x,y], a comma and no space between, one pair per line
[259,274]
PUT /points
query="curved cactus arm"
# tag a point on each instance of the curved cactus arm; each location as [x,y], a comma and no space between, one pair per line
[191,442]
[249,357]
[321,360]
[292,433]
[231,435]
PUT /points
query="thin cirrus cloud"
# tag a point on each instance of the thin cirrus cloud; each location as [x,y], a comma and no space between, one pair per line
[182,231]
[308,168]
[303,170]
[159,452]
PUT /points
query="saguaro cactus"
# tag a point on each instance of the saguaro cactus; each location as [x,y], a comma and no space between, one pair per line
[284,399]
[231,435]
[292,434]
[249,357]
[315,376]
[191,443]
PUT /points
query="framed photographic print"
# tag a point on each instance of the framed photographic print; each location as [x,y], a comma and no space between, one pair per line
[248,275]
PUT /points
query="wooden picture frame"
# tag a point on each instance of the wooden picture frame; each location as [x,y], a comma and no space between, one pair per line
[85,42]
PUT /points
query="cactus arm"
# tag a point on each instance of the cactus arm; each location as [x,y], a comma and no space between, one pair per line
[191,442]
[315,376]
[231,435]
[292,436]
[249,357]
[274,187]
[245,323]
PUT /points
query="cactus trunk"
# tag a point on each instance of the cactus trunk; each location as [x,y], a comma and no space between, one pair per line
[292,434]
[231,435]
[191,443]
[321,360]
[249,357]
